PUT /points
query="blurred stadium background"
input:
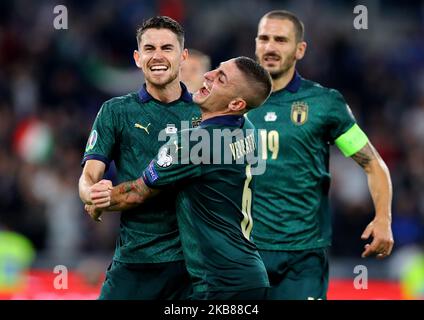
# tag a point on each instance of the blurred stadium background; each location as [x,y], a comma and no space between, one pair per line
[52,83]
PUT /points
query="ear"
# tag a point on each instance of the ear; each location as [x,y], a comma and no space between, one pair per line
[184,55]
[301,50]
[137,61]
[237,104]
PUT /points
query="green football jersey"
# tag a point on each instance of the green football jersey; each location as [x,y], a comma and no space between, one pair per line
[296,127]
[126,131]
[215,186]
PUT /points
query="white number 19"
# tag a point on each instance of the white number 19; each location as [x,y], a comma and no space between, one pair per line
[270,141]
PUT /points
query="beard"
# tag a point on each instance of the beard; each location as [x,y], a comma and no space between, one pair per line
[285,67]
[163,82]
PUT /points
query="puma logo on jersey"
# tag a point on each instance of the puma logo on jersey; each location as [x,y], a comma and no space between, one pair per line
[137,125]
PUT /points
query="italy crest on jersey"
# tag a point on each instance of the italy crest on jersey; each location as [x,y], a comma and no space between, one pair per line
[299,112]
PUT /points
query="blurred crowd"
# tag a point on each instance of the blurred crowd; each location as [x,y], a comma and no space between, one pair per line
[52,83]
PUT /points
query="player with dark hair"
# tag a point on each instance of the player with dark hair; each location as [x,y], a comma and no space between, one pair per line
[148,262]
[215,196]
[296,125]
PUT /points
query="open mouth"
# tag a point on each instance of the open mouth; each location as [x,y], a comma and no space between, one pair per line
[204,91]
[271,58]
[158,69]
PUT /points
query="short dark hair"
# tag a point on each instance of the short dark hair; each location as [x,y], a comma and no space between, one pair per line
[299,27]
[258,80]
[162,22]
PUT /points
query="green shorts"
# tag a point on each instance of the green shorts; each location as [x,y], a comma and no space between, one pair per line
[251,294]
[297,275]
[146,281]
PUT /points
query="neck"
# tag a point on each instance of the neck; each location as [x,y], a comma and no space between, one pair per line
[283,81]
[207,115]
[167,93]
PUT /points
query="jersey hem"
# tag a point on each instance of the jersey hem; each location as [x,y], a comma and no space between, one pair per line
[291,248]
[231,289]
[147,260]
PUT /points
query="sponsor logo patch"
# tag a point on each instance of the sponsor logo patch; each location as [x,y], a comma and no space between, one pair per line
[145,128]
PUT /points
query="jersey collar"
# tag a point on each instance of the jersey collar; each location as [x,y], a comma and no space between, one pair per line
[294,84]
[227,120]
[146,97]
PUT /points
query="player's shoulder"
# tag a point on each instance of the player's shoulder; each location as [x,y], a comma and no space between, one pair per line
[119,103]
[319,89]
[327,96]
[248,125]
[189,106]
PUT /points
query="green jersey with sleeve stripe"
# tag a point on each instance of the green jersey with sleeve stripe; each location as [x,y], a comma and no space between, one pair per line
[214,202]
[126,131]
[296,127]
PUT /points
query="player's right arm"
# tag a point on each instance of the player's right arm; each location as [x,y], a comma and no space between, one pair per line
[93,190]
[97,155]
[380,187]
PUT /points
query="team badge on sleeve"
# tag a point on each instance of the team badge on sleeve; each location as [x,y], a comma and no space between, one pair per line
[91,141]
[164,158]
[299,113]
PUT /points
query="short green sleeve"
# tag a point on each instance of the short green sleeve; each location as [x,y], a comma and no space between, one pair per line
[102,137]
[340,117]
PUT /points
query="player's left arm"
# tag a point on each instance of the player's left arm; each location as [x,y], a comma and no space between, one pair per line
[128,195]
[124,196]
[354,143]
[380,186]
